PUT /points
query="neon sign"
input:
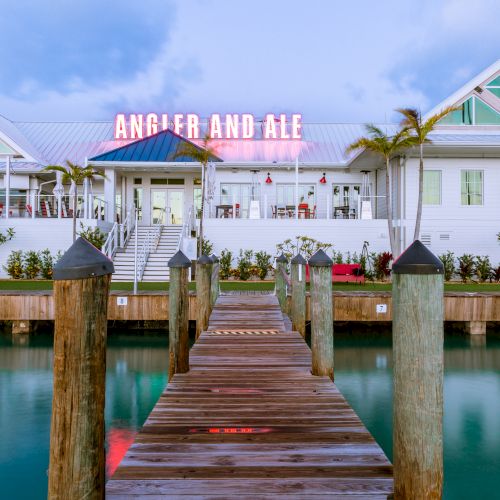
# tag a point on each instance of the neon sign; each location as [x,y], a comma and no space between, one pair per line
[229,126]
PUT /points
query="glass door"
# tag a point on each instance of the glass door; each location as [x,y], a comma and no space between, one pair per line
[159,206]
[175,208]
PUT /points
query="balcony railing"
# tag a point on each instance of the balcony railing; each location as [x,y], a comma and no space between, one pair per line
[270,208]
[43,206]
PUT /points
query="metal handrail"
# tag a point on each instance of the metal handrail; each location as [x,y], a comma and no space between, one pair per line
[186,228]
[150,243]
[111,244]
[127,227]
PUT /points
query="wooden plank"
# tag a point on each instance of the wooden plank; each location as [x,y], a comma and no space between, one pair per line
[250,420]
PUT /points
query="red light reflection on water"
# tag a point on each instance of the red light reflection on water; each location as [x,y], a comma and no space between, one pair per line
[119,441]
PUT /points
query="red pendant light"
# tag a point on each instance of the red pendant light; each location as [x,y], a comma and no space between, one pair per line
[269,180]
[323,179]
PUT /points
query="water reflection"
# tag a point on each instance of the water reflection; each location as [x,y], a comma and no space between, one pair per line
[136,375]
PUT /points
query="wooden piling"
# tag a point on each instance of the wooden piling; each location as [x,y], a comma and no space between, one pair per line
[203,278]
[178,315]
[77,457]
[418,335]
[320,268]
[281,266]
[214,282]
[298,305]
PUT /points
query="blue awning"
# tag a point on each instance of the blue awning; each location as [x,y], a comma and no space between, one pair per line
[161,147]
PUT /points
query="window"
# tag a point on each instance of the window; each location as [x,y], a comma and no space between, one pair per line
[286,194]
[137,180]
[472,187]
[432,187]
[240,193]
[346,195]
[473,111]
[170,182]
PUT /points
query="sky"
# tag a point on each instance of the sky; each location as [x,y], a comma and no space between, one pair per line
[331,60]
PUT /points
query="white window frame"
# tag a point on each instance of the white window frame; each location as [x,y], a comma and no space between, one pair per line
[482,186]
[440,188]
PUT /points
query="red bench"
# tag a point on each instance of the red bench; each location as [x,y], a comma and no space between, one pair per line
[344,273]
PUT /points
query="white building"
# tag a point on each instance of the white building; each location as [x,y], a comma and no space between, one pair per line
[259,197]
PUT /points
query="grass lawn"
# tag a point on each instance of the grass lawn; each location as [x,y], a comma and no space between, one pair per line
[250,286]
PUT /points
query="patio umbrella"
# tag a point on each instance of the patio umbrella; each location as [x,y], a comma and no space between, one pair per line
[210,188]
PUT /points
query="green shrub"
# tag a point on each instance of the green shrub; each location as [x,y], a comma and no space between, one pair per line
[93,235]
[225,261]
[207,247]
[14,267]
[483,268]
[245,264]
[466,264]
[304,245]
[263,264]
[46,264]
[9,234]
[448,260]
[495,274]
[31,264]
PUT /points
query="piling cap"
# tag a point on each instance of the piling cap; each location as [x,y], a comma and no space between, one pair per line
[298,259]
[179,260]
[282,258]
[214,258]
[417,259]
[320,259]
[204,259]
[82,260]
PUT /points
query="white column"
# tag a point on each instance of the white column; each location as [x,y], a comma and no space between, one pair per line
[124,198]
[110,194]
[7,186]
[85,198]
[327,205]
[297,188]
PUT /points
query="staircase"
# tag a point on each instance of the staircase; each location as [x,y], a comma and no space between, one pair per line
[156,266]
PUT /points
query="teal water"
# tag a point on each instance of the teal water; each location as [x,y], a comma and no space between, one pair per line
[136,368]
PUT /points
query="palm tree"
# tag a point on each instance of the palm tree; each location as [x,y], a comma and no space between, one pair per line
[419,130]
[386,146]
[76,175]
[203,154]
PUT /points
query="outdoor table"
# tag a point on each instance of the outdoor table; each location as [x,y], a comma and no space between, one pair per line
[226,211]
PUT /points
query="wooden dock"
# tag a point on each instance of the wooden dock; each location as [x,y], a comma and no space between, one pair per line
[250,421]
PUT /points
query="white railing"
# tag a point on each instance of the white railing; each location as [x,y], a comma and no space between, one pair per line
[112,242]
[268,206]
[187,227]
[150,244]
[127,227]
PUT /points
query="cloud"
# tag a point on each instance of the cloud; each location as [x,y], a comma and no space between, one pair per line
[328,60]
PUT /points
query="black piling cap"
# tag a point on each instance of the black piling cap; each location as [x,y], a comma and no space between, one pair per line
[417,259]
[82,260]
[320,259]
[298,259]
[179,260]
[214,258]
[204,259]
[282,258]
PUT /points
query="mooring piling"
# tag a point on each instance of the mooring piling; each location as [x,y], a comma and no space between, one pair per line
[77,457]
[298,305]
[178,309]
[418,336]
[320,268]
[214,282]
[203,292]
[281,285]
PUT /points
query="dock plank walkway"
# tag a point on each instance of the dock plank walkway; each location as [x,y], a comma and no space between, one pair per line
[250,421]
